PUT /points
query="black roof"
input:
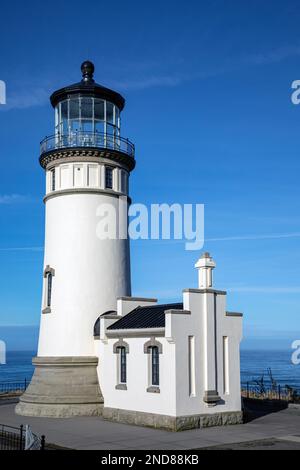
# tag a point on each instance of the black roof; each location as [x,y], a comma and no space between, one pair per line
[145,317]
[97,322]
[88,87]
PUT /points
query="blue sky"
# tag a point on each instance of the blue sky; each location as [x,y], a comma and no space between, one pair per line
[208,87]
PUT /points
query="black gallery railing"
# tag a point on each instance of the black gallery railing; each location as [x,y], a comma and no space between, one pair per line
[97,140]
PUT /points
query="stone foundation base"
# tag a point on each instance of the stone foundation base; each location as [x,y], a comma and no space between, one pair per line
[62,387]
[172,423]
[58,411]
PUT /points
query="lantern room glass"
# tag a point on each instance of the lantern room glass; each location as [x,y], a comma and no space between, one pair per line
[86,115]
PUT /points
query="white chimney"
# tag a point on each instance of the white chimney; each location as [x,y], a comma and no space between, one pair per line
[205,265]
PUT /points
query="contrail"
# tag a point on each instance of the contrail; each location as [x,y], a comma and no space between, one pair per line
[266,289]
[23,248]
[215,239]
[255,237]
[271,236]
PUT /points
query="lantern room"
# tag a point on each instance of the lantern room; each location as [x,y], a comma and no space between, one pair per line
[87,115]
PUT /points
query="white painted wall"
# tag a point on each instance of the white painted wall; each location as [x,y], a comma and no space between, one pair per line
[89,273]
[136,397]
[85,175]
[180,327]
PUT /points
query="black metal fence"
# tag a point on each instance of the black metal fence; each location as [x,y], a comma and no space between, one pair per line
[11,438]
[14,438]
[259,389]
[250,389]
[13,387]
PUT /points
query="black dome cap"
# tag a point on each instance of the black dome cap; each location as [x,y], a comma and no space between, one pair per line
[87,69]
[88,87]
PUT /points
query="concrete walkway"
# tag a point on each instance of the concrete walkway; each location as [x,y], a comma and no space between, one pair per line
[96,433]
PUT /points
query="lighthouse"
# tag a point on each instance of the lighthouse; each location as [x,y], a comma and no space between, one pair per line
[87,163]
[101,351]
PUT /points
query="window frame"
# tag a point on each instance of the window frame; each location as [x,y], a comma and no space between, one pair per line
[123,182]
[49,278]
[154,366]
[49,274]
[121,349]
[122,365]
[53,179]
[154,370]
[111,170]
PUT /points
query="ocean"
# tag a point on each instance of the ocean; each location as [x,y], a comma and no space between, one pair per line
[253,365]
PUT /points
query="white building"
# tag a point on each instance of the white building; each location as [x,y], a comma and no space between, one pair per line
[174,366]
[101,351]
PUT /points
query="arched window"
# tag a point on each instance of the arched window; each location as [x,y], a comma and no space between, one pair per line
[121,348]
[122,365]
[155,366]
[153,349]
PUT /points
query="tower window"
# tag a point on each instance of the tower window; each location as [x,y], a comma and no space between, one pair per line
[53,180]
[48,275]
[49,289]
[155,365]
[108,178]
[123,181]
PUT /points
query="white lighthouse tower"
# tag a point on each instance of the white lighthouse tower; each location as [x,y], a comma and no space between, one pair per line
[87,165]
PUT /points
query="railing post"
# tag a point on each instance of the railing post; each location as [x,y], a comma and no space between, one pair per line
[42,443]
[25,384]
[247,389]
[21,437]
[279,392]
